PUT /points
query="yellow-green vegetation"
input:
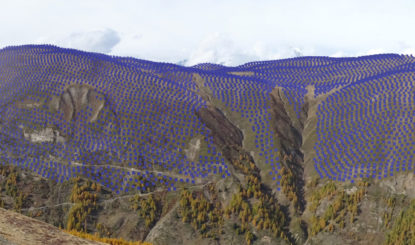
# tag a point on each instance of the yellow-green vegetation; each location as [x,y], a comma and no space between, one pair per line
[112,241]
[249,237]
[103,230]
[314,182]
[328,190]
[11,183]
[387,216]
[1,202]
[403,230]
[245,165]
[148,208]
[205,216]
[85,197]
[289,187]
[263,214]
[10,186]
[342,204]
[143,183]
[19,201]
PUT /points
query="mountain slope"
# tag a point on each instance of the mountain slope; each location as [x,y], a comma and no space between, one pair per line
[287,151]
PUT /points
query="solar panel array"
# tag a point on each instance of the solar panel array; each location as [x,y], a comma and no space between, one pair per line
[149,119]
[365,126]
[367,129]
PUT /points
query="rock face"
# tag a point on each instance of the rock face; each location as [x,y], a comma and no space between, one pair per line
[283,124]
[402,184]
[75,99]
[166,230]
[194,147]
[44,135]
[226,135]
[289,130]
[80,106]
[77,103]
[17,229]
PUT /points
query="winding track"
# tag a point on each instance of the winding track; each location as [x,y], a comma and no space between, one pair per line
[111,199]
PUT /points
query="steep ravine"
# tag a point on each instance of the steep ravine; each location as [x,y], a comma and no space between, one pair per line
[289,128]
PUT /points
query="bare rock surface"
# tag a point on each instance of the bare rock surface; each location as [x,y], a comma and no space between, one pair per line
[19,229]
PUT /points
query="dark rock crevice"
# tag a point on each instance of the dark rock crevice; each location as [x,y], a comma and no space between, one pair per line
[289,134]
[229,139]
[225,134]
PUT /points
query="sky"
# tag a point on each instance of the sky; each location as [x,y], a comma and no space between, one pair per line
[228,32]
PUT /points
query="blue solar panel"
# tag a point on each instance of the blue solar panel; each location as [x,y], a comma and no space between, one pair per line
[147,114]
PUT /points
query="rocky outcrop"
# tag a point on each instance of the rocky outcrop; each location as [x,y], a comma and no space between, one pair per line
[169,230]
[225,135]
[77,98]
[283,124]
[402,184]
[44,135]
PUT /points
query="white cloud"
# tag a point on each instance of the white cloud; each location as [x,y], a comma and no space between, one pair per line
[128,45]
[102,41]
[373,51]
[228,32]
[216,48]
[220,48]
[409,51]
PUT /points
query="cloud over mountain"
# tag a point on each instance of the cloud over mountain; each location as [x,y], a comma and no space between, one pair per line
[221,48]
[100,40]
